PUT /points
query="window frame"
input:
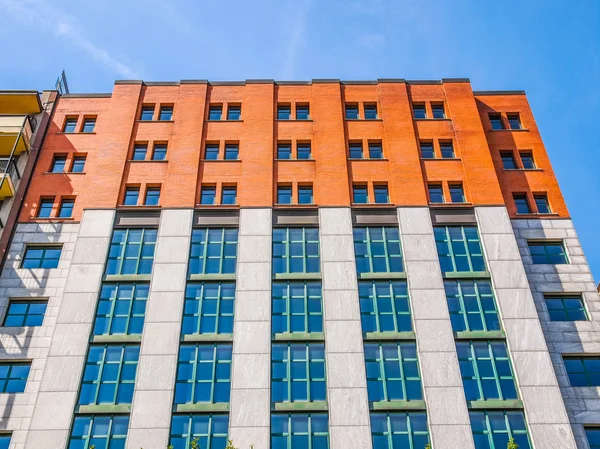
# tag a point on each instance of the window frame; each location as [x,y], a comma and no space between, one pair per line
[370,243]
[592,378]
[370,295]
[545,244]
[144,112]
[86,123]
[282,193]
[352,148]
[450,253]
[283,439]
[43,211]
[143,263]
[444,146]
[197,308]
[381,187]
[281,111]
[527,156]
[301,149]
[514,118]
[165,113]
[368,108]
[378,147]
[152,193]
[436,194]
[284,151]
[522,203]
[303,191]
[26,314]
[508,430]
[435,108]
[348,111]
[595,430]
[70,125]
[205,195]
[161,149]
[234,112]
[419,110]
[309,260]
[302,107]
[212,112]
[212,147]
[42,259]
[284,306]
[211,438]
[504,155]
[61,209]
[496,121]
[128,196]
[200,242]
[137,151]
[542,199]
[231,149]
[453,186]
[357,193]
[133,319]
[61,159]
[461,308]
[566,310]
[74,163]
[89,436]
[426,144]
[410,432]
[227,195]
[5,381]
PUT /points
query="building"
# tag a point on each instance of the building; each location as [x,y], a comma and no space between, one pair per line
[374,264]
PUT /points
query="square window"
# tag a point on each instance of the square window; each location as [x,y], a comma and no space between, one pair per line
[299,430]
[284,112]
[493,429]
[121,309]
[447,149]
[583,371]
[58,164]
[160,152]
[139,152]
[514,120]
[213,251]
[427,150]
[91,430]
[375,151]
[400,430]
[548,252]
[231,151]
[496,121]
[131,251]
[131,196]
[166,113]
[207,194]
[152,196]
[78,164]
[298,372]
[471,305]
[89,124]
[566,308]
[438,110]
[436,193]
[305,195]
[356,150]
[284,195]
[377,250]
[360,195]
[25,313]
[70,125]
[41,257]
[304,151]
[457,194]
[351,111]
[370,111]
[527,160]
[302,112]
[508,160]
[459,249]
[284,150]
[45,207]
[13,377]
[384,306]
[297,307]
[228,195]
[296,250]
[381,194]
[234,112]
[212,152]
[419,110]
[208,308]
[66,208]
[521,203]
[215,111]
[147,113]
[541,202]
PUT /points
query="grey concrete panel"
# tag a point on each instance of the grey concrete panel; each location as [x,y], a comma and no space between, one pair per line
[250,408]
[419,247]
[339,275]
[346,370]
[501,247]
[340,305]
[440,369]
[415,220]
[244,437]
[70,339]
[335,221]
[160,338]
[252,337]
[508,274]
[535,368]
[429,304]
[253,305]
[337,248]
[255,222]
[156,372]
[553,436]
[176,222]
[348,407]
[173,250]
[253,276]
[53,410]
[147,438]
[493,220]
[96,223]
[432,336]
[62,374]
[446,406]
[343,336]
[168,277]
[46,438]
[524,335]
[345,437]
[164,307]
[78,308]
[549,407]
[84,278]
[254,249]
[151,410]
[90,250]
[451,436]
[516,303]
[251,371]
[424,275]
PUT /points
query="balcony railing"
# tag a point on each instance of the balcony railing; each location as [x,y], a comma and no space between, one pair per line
[15,133]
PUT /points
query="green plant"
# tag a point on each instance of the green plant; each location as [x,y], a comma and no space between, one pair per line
[194,444]
[512,444]
[428,446]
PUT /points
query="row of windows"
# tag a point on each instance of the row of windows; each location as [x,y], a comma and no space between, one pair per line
[525,158]
[88,124]
[46,207]
[436,193]
[165,112]
[140,150]
[446,149]
[59,163]
[542,206]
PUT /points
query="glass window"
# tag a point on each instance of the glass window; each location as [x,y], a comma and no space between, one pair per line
[381,194]
[302,112]
[70,125]
[109,374]
[399,430]
[447,149]
[356,150]
[231,151]
[508,160]
[215,111]
[284,194]
[234,112]
[208,308]
[203,374]
[58,164]
[147,113]
[4,441]
[514,121]
[457,194]
[121,309]
[377,250]
[139,152]
[212,152]
[152,196]
[213,251]
[45,208]
[592,434]
[299,430]
[284,150]
[297,307]
[438,110]
[229,195]
[360,195]
[283,112]
[41,257]
[305,195]
[131,196]
[384,306]
[304,150]
[298,372]
[352,111]
[210,431]
[25,313]
[521,203]
[583,371]
[419,110]
[13,377]
[548,252]
[496,121]
[527,160]
[66,208]
[131,251]
[459,248]
[486,370]
[375,151]
[78,164]
[392,372]
[472,306]
[494,429]
[566,308]
[427,150]
[436,193]
[166,113]
[160,152]
[88,125]
[370,112]
[296,250]
[100,431]
[541,202]
[208,194]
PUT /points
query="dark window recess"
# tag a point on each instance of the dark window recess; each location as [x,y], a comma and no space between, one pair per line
[508,160]
[360,195]
[58,164]
[139,152]
[436,193]
[152,196]
[231,152]
[496,121]
[284,151]
[305,195]
[541,202]
[527,160]
[160,152]
[352,111]
[419,110]
[207,195]
[284,195]
[438,110]
[375,151]
[166,113]
[514,121]
[89,124]
[45,209]
[234,112]
[356,151]
[302,112]
[284,112]
[212,152]
[427,150]
[78,164]
[147,113]
[370,111]
[70,125]
[381,194]
[229,195]
[215,112]
[131,196]
[522,203]
[447,149]
[457,194]
[304,151]
[66,208]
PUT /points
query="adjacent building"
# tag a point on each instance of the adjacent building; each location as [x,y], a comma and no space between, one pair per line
[303,265]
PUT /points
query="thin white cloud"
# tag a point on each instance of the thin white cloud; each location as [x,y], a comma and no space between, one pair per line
[65,26]
[297,16]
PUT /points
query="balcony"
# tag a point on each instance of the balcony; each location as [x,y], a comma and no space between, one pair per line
[15,134]
[9,177]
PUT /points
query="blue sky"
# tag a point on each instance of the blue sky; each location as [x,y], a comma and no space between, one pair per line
[549,48]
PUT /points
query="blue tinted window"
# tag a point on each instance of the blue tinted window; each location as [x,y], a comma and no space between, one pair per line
[297,307]
[25,313]
[359,195]
[436,193]
[514,121]
[356,151]
[208,430]
[508,160]
[152,196]
[496,121]
[304,151]
[351,111]
[299,430]
[283,112]
[45,209]
[208,308]
[566,308]
[472,306]
[296,250]
[234,112]
[427,150]
[521,203]
[101,431]
[66,208]
[438,110]
[384,306]
[215,112]
[398,430]
[284,151]
[139,152]
[166,113]
[213,251]
[231,151]
[302,112]
[548,253]
[4,441]
[228,195]
[131,251]
[284,195]
[58,164]
[494,429]
[370,112]
[298,372]
[447,149]
[13,377]
[131,196]
[459,248]
[527,160]
[593,437]
[147,113]
[381,195]
[88,125]
[419,110]
[457,194]
[377,250]
[541,202]
[583,371]
[305,195]
[41,257]
[208,194]
[160,152]
[203,374]
[121,309]
[70,125]
[375,151]
[78,164]
[212,152]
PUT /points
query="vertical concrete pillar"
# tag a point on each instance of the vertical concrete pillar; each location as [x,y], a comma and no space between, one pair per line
[53,412]
[150,418]
[447,412]
[349,424]
[250,403]
[544,408]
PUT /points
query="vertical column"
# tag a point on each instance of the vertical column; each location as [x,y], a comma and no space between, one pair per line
[249,410]
[442,384]
[155,380]
[345,361]
[62,374]
[540,393]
